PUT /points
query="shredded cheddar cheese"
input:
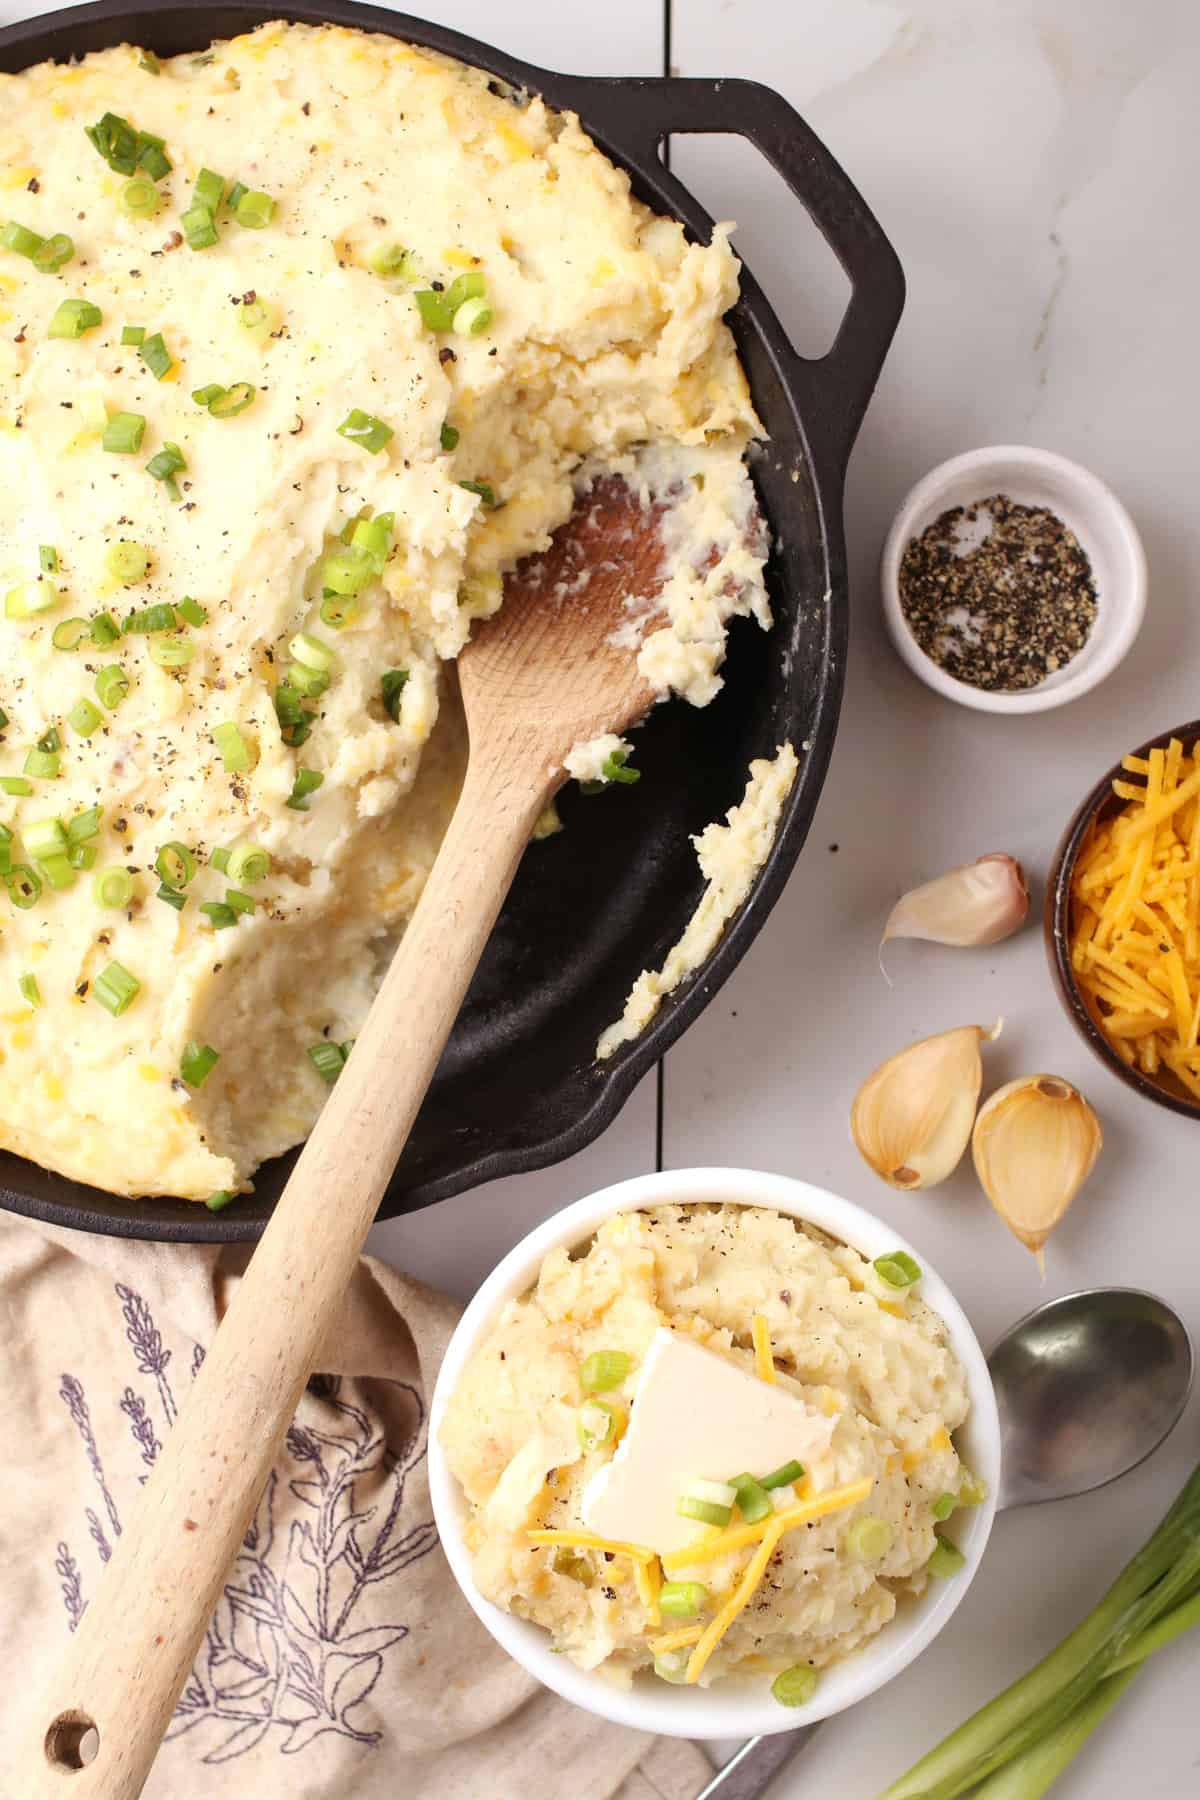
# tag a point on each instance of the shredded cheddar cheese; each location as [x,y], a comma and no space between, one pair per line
[677,1640]
[648,1577]
[764,1362]
[1135,917]
[741,1596]
[740,1535]
[587,1540]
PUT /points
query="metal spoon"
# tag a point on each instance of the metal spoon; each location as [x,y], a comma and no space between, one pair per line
[1087,1388]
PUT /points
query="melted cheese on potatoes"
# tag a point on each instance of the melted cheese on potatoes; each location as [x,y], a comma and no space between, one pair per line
[605,346]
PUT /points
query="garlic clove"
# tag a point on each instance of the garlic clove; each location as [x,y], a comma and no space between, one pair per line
[1035,1144]
[978,904]
[912,1117]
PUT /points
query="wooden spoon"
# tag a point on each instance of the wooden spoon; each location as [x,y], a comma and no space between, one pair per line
[539,677]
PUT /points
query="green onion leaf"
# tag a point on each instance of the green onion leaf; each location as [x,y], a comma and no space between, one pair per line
[148,61]
[54,253]
[946,1560]
[140,198]
[104,630]
[171,895]
[47,559]
[338,611]
[57,871]
[116,141]
[392,684]
[85,717]
[433,308]
[30,990]
[204,395]
[198,1062]
[240,902]
[112,888]
[173,652]
[235,194]
[30,597]
[128,562]
[123,434]
[310,651]
[347,571]
[21,239]
[156,356]
[310,682]
[85,826]
[682,1599]
[464,288]
[327,1060]
[220,1200]
[191,611]
[219,858]
[365,430]
[70,633]
[596,1424]
[15,784]
[246,863]
[132,334]
[782,1477]
[164,465]
[175,864]
[472,317]
[295,724]
[219,916]
[484,489]
[152,156]
[112,686]
[753,1499]
[672,1666]
[449,437]
[706,1512]
[254,210]
[604,1369]
[897,1269]
[231,401]
[235,751]
[198,228]
[45,837]
[116,989]
[306,783]
[42,765]
[208,191]
[391,259]
[81,856]
[23,886]
[159,617]
[943,1506]
[73,317]
[795,1686]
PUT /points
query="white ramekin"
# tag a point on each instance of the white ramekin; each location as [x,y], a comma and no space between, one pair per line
[744,1708]
[1084,503]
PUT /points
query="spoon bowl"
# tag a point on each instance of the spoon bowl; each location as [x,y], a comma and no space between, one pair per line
[1088,1387]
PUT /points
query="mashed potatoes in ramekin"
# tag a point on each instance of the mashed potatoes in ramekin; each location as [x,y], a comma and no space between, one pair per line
[541,1431]
[304,342]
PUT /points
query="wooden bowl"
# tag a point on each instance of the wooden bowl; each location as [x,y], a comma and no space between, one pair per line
[1101,804]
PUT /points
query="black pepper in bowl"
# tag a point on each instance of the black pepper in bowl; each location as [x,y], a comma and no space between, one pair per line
[997,594]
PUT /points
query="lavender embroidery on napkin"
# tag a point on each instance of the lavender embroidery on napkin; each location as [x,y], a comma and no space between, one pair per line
[282,1653]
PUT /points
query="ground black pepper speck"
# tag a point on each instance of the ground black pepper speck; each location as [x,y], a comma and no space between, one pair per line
[1008,612]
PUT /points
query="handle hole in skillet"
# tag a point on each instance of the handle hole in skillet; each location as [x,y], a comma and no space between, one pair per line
[801,276]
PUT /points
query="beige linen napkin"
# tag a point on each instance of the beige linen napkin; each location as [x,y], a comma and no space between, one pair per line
[342,1660]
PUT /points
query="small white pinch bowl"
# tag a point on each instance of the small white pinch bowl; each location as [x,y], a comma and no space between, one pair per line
[1086,505]
[743,1707]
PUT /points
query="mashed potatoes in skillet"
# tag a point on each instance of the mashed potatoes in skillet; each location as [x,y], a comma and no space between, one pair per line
[683,1314]
[302,344]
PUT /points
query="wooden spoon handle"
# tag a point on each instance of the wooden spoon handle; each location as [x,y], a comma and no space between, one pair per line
[126,1664]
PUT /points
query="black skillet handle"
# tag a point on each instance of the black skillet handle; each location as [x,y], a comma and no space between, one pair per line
[836,387]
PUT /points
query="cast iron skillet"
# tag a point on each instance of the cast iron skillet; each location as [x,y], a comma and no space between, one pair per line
[518,1085]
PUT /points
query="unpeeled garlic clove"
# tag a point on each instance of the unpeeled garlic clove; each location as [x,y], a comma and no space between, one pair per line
[1035,1144]
[978,904]
[912,1118]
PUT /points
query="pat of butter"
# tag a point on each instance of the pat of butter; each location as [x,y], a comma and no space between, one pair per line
[695,1416]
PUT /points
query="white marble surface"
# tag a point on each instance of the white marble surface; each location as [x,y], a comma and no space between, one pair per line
[1036,164]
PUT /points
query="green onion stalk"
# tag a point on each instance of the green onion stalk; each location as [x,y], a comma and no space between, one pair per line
[1018,1743]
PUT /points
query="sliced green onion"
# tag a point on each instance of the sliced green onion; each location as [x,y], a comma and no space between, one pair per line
[128,562]
[47,559]
[191,611]
[15,784]
[235,751]
[132,334]
[112,888]
[3,718]
[258,316]
[472,317]
[338,610]
[897,1269]
[365,430]
[234,195]
[219,858]
[869,1539]
[309,650]
[104,630]
[672,1666]
[240,902]
[175,864]
[449,437]
[220,1200]
[295,724]
[614,768]
[45,837]
[198,1062]
[23,886]
[946,1560]
[30,597]
[753,1500]
[50,740]
[19,238]
[783,1476]
[943,1506]
[209,190]
[373,537]
[85,826]
[58,872]
[434,309]
[172,652]
[117,142]
[124,433]
[152,156]
[112,686]
[219,916]
[171,896]
[198,228]
[463,288]
[705,1511]
[795,1686]
[203,395]
[327,1060]
[484,489]
[347,571]
[73,317]
[596,1424]
[82,856]
[42,765]
[246,863]
[972,1491]
[85,718]
[392,259]
[306,783]
[254,209]
[604,1369]
[30,990]
[392,684]
[164,465]
[682,1599]
[156,356]
[70,634]
[146,619]
[231,401]
[312,683]
[148,61]
[54,254]
[116,989]
[140,198]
